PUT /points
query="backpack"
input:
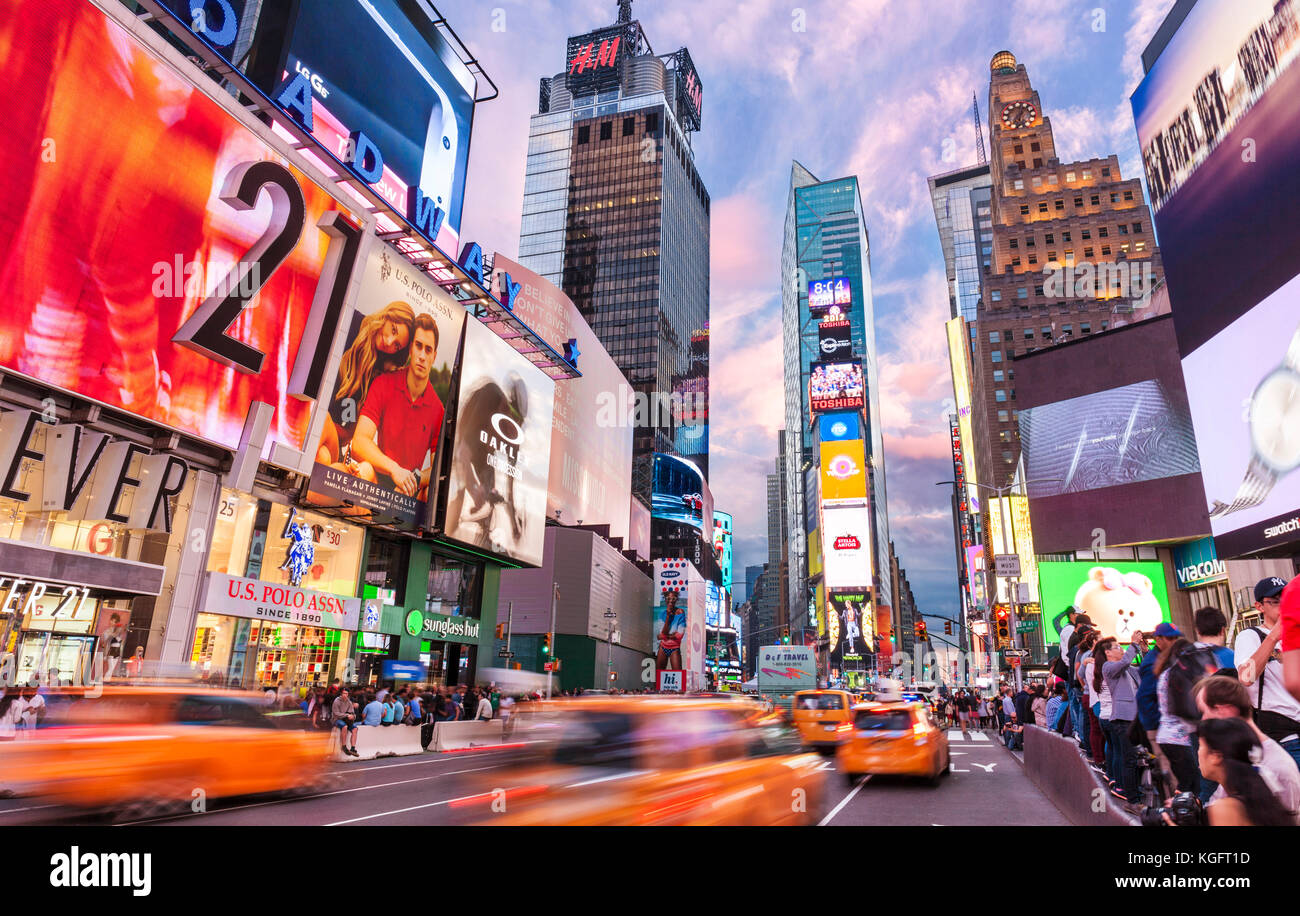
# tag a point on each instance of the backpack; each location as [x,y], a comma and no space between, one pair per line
[1274,724]
[1186,670]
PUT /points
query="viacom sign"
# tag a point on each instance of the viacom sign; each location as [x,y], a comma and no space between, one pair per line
[1197,564]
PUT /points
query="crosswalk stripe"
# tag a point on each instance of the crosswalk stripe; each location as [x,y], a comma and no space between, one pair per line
[979,736]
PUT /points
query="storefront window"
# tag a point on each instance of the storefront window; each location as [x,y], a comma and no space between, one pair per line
[256,653]
[453,587]
[386,566]
[248,540]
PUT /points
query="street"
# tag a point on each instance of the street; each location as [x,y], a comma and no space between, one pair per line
[986,786]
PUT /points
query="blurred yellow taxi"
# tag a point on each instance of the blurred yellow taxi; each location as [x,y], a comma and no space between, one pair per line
[630,761]
[823,717]
[148,750]
[895,738]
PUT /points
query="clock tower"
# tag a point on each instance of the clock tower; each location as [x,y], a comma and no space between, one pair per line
[1020,134]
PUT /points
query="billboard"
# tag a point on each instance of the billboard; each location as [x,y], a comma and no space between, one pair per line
[836,386]
[594,60]
[843,470]
[722,546]
[975,576]
[855,616]
[959,361]
[343,62]
[678,620]
[1120,597]
[1218,121]
[137,263]
[1196,564]
[822,294]
[1019,540]
[680,494]
[846,547]
[1129,434]
[500,458]
[834,340]
[380,445]
[838,427]
[591,448]
[639,529]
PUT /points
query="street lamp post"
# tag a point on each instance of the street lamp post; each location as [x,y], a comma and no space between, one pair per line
[612,618]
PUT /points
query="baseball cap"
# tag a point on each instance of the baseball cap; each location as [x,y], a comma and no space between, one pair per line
[1269,588]
[1168,631]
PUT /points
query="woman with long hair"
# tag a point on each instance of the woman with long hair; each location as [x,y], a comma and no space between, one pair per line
[670,637]
[382,344]
[1101,706]
[1092,727]
[1229,751]
[1174,736]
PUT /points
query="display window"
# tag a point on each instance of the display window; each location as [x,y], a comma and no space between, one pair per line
[253,653]
[248,540]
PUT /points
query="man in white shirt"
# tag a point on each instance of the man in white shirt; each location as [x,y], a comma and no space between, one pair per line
[1260,669]
[31,707]
[1225,698]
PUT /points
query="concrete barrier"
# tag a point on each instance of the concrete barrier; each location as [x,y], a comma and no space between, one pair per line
[380,741]
[456,736]
[1060,772]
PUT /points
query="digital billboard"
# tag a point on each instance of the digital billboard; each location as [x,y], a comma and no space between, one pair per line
[591,461]
[836,386]
[855,626]
[835,427]
[843,470]
[380,445]
[722,545]
[822,294]
[834,339]
[1218,121]
[1123,435]
[678,620]
[1120,598]
[679,493]
[347,60]
[594,60]
[975,576]
[846,547]
[959,362]
[137,263]
[1018,540]
[500,458]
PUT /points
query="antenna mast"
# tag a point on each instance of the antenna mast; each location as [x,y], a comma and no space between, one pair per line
[979,131]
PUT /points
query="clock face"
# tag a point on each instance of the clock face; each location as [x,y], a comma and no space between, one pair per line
[1275,420]
[1019,114]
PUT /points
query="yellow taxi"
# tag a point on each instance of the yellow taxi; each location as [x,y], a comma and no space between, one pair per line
[626,761]
[143,751]
[896,738]
[823,717]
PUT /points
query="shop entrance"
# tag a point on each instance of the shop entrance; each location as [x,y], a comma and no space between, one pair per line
[257,653]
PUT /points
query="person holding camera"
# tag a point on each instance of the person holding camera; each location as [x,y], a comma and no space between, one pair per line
[1121,678]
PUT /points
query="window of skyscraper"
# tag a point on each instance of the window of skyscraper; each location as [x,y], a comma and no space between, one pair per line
[607,130]
[629,124]
[1095,200]
[584,134]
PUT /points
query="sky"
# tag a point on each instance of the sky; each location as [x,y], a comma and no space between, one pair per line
[880,89]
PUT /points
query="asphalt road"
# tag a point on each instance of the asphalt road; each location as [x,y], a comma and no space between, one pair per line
[985,786]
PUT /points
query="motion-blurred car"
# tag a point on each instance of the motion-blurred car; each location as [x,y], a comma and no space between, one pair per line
[823,717]
[145,751]
[894,738]
[652,761]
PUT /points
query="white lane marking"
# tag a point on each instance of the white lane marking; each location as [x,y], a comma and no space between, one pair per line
[956,753]
[390,766]
[979,736]
[956,734]
[848,798]
[445,801]
[281,801]
[827,765]
[30,808]
[592,782]
[986,767]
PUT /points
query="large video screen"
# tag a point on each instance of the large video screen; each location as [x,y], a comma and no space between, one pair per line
[129,216]
[822,294]
[591,442]
[383,68]
[836,386]
[679,493]
[843,470]
[1218,119]
[722,546]
[1126,435]
[380,445]
[1120,598]
[846,546]
[855,626]
[501,453]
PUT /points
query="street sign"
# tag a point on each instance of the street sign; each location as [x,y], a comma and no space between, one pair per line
[1026,626]
[1022,593]
[1016,653]
[1015,662]
[502,653]
[548,666]
[1007,565]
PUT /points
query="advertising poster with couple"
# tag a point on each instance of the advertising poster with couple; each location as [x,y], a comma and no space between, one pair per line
[379,449]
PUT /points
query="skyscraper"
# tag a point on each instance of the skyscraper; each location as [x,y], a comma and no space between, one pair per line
[826,242]
[616,214]
[1072,248]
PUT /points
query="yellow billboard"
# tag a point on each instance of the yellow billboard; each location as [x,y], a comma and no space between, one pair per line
[1015,509]
[959,358]
[844,469]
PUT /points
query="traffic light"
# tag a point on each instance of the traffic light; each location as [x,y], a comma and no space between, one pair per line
[1004,627]
[947,628]
[925,631]
[501,631]
[785,636]
[546,643]
[921,634]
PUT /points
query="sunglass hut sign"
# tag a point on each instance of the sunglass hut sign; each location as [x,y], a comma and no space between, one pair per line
[458,629]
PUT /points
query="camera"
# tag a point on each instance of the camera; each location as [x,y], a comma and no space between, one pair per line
[1184,809]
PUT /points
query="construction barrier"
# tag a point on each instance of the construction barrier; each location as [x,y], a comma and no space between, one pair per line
[381,741]
[1060,772]
[456,736]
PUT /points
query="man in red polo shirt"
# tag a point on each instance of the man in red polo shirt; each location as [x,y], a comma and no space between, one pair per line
[401,418]
[1289,618]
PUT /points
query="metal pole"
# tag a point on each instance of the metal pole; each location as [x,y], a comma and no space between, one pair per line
[550,675]
[1011,598]
[510,625]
